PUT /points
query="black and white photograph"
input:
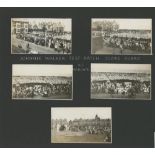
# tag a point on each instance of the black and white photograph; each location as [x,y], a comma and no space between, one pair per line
[41,36]
[42,82]
[81,125]
[77,77]
[121,36]
[121,81]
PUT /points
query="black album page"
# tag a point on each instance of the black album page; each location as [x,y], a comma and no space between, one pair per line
[77,77]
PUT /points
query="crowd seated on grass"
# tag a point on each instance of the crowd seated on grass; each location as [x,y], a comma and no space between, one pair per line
[46,87]
[135,44]
[135,41]
[121,84]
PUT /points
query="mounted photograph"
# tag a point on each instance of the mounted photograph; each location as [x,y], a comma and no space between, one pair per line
[121,36]
[121,81]
[81,125]
[41,36]
[42,82]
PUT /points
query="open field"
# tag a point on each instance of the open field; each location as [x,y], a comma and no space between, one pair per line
[117,51]
[77,138]
[52,97]
[118,96]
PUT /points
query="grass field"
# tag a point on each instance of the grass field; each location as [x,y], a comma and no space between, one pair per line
[38,48]
[53,97]
[84,138]
[116,96]
[117,51]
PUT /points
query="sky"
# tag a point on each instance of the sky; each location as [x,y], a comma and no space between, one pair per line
[124,68]
[82,112]
[41,70]
[138,24]
[65,21]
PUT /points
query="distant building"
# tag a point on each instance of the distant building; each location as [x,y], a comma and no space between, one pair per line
[47,27]
[55,27]
[19,26]
[97,122]
[91,122]
[146,34]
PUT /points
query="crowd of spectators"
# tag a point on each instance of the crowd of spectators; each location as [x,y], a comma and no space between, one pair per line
[40,87]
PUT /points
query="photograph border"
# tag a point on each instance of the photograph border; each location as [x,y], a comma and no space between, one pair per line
[123,54]
[71,99]
[43,18]
[83,142]
[122,98]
